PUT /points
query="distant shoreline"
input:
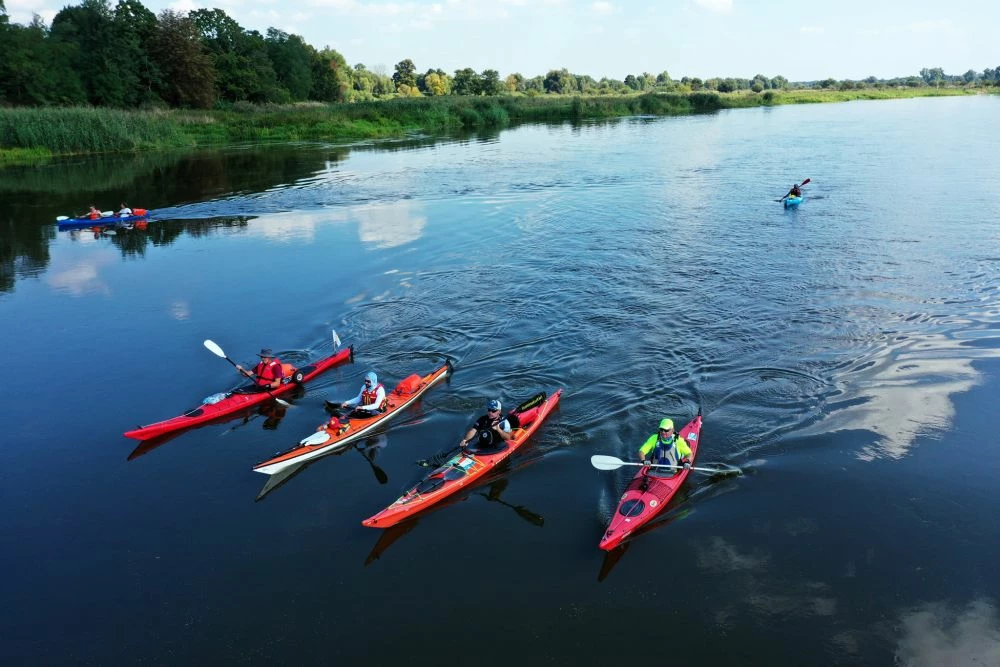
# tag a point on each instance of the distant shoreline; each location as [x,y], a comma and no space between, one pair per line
[31,135]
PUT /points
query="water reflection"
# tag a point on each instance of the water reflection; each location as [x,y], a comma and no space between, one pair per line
[938,634]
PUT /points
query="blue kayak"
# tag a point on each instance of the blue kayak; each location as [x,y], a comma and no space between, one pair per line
[103,221]
[791,202]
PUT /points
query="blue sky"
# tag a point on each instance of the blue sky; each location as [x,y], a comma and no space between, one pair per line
[800,40]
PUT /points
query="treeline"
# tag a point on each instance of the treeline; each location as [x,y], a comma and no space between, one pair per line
[127,57]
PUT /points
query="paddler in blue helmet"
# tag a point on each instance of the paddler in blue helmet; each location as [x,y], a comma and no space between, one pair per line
[665,447]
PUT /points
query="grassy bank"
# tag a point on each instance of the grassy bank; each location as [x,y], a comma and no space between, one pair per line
[31,134]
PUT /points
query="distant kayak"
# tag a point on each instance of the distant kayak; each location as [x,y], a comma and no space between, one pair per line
[648,493]
[326,442]
[792,202]
[230,403]
[463,468]
[140,214]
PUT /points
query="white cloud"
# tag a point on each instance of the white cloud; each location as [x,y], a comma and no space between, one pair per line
[602,7]
[717,6]
[184,6]
[811,30]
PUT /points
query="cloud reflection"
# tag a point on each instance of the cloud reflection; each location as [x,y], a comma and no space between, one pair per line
[80,278]
[936,634]
[390,225]
[380,225]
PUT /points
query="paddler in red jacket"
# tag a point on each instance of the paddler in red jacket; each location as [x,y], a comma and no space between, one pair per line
[266,374]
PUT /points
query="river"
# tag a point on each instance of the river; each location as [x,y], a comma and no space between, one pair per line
[843,354]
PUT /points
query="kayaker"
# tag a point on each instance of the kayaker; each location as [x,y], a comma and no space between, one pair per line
[371,399]
[93,214]
[796,191]
[125,211]
[490,430]
[665,447]
[266,374]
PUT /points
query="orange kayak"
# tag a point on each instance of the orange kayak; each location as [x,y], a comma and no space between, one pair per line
[463,469]
[330,440]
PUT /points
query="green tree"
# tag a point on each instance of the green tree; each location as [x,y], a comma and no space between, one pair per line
[34,70]
[292,60]
[779,82]
[108,74]
[405,74]
[243,67]
[559,81]
[187,67]
[489,82]
[466,82]
[134,26]
[331,77]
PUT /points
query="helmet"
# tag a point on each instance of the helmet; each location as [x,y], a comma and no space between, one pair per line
[371,377]
[666,423]
[493,405]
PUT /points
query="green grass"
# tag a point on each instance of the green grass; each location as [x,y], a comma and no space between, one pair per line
[31,134]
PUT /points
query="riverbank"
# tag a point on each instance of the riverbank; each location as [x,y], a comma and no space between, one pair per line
[33,134]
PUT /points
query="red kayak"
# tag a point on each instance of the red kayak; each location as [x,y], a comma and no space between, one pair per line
[329,439]
[464,468]
[648,493]
[232,403]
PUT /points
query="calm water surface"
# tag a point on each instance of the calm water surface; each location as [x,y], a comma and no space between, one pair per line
[844,355]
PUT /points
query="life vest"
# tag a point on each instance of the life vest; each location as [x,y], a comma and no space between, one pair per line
[94,216]
[267,373]
[336,427]
[368,396]
[667,452]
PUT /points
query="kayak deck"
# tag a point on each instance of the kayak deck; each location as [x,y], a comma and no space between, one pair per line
[461,470]
[234,403]
[103,221]
[791,202]
[648,493]
[325,442]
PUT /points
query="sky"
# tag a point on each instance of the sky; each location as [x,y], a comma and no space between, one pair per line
[803,41]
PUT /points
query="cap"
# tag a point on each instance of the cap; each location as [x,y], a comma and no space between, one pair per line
[493,405]
[666,424]
[265,352]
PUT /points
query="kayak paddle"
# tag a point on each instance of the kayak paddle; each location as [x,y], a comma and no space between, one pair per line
[790,192]
[217,351]
[604,462]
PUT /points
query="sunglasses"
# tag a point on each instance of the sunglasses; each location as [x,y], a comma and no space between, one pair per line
[492,411]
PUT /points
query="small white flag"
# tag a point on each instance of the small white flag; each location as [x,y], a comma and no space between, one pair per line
[336,339]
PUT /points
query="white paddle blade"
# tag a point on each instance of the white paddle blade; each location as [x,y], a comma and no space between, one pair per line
[214,349]
[604,462]
[107,214]
[336,339]
[60,218]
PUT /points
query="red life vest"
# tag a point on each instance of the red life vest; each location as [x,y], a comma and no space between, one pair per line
[267,373]
[94,216]
[368,396]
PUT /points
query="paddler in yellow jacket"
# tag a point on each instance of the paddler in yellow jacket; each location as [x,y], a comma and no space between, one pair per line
[665,447]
